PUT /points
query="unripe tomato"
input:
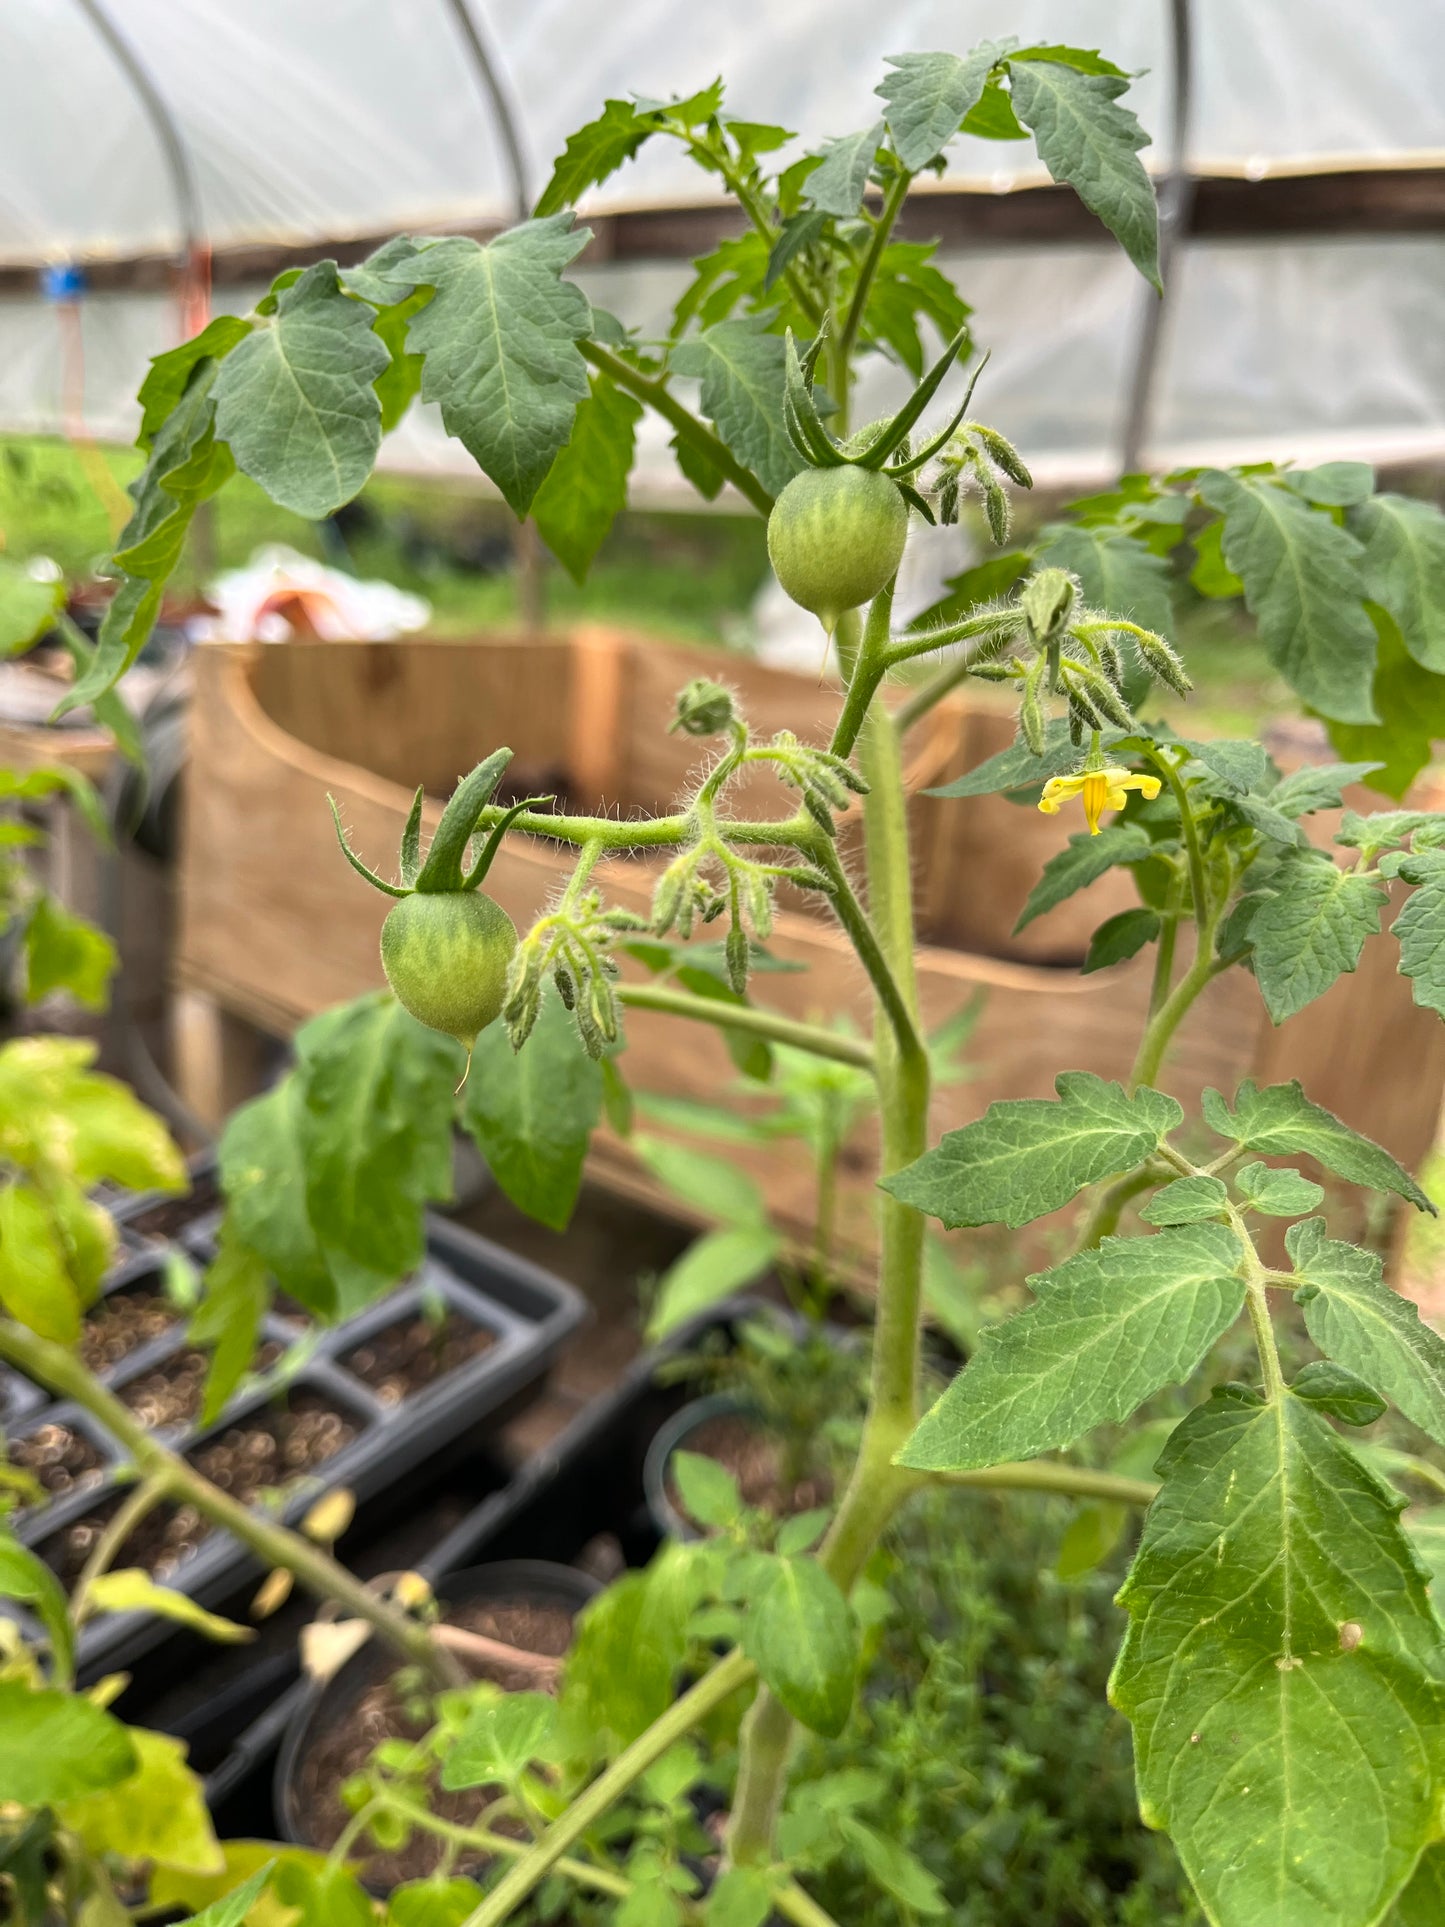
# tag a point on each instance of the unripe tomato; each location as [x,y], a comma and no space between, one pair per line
[836,537]
[445,954]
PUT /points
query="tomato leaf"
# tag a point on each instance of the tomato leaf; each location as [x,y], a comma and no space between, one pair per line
[927,97]
[586,487]
[532,1112]
[741,368]
[58,1746]
[800,1633]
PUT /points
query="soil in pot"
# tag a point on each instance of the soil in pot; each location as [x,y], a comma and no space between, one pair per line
[414,1352]
[757,1460]
[381,1713]
[124,1320]
[170,1393]
[61,1459]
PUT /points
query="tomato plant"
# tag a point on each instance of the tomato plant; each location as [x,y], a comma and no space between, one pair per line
[1283,1662]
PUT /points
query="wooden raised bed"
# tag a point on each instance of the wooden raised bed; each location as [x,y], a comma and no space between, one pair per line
[275,927]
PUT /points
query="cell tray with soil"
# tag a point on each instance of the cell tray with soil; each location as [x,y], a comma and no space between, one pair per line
[274,1445]
[165,1217]
[159,1544]
[415,1352]
[170,1392]
[61,1458]
[132,1315]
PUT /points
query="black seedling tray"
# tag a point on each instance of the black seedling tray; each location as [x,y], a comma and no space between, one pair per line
[468,1282]
[586,1485]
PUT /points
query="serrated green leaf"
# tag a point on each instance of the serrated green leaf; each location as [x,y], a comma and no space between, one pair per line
[1419,929]
[1358,1321]
[187,463]
[906,287]
[801,1635]
[994,119]
[232,1909]
[1339,1392]
[1279,1194]
[228,1319]
[1317,786]
[708,1491]
[499,341]
[1304,585]
[741,367]
[1121,937]
[399,382]
[837,184]
[1335,485]
[80,1124]
[1017,768]
[295,401]
[434,1902]
[1086,60]
[263,1176]
[500,1741]
[586,487]
[64,952]
[375,1132]
[1028,1156]
[1120,577]
[1187,1201]
[156,1813]
[1083,862]
[1411,705]
[1281,1655]
[532,1112]
[716,1266]
[1085,139]
[897,1871]
[709,1185]
[36,1286]
[1280,1121]
[928,96]
[58,1746]
[1111,1327]
[1310,930]
[24,1577]
[740,1897]
[170,372]
[29,605]
[1403,567]
[594,152]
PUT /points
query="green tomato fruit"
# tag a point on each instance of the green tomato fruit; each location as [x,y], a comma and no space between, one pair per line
[445,954]
[836,537]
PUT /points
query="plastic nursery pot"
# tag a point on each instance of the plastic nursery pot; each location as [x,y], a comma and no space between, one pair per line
[527,1603]
[687,1431]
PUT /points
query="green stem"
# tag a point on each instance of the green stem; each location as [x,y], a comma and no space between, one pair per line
[1256,1298]
[607,1789]
[53,1366]
[756,1023]
[868,670]
[876,1487]
[122,1523]
[892,201]
[1197,887]
[801,1908]
[654,391]
[581,1873]
[798,832]
[1103,1220]
[1045,1475]
[991,623]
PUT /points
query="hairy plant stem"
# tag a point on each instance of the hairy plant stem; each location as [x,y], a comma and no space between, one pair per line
[581,1873]
[171,1477]
[607,1789]
[654,391]
[1044,1475]
[755,1023]
[1256,1299]
[876,1487]
[870,665]
[798,832]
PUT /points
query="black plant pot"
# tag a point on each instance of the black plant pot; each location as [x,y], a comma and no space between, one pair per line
[531,1582]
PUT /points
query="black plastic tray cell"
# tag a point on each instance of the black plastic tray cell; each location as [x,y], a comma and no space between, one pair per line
[68,1453]
[18,1399]
[132,1321]
[162,1386]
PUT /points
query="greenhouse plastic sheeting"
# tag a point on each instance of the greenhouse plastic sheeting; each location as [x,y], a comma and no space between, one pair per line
[307,119]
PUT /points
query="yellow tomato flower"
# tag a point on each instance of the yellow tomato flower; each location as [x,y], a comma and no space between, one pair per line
[1099,790]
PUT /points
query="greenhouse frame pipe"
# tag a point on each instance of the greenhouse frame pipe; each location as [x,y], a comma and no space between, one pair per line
[163,122]
[491,81]
[1176,193]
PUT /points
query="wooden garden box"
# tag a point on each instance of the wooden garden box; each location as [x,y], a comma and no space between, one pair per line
[274,926]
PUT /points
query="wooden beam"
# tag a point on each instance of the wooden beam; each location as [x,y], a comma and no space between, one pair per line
[1352,201]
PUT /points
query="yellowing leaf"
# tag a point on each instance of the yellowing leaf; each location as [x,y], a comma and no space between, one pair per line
[129,1589]
[157,1813]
